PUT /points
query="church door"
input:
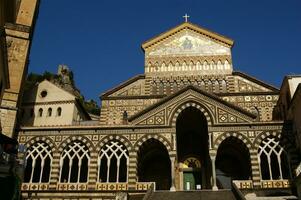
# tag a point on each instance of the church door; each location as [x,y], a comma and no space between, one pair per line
[193,149]
[189,181]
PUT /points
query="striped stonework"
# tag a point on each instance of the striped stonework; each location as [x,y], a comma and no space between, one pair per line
[230,84]
[132,170]
[109,138]
[163,140]
[81,138]
[148,87]
[191,104]
[45,139]
[55,171]
[237,135]
[93,170]
[255,168]
[259,138]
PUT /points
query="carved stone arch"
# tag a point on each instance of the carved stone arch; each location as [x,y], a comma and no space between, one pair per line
[212,64]
[86,141]
[288,148]
[227,60]
[177,65]
[237,135]
[45,139]
[118,138]
[163,66]
[264,135]
[184,66]
[160,138]
[271,154]
[153,161]
[206,65]
[156,66]
[191,65]
[170,66]
[178,109]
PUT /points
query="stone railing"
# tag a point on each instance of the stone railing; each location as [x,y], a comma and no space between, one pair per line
[275,183]
[145,185]
[243,184]
[111,186]
[34,186]
[72,186]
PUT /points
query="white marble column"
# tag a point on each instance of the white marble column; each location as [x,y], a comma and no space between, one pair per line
[214,187]
[172,168]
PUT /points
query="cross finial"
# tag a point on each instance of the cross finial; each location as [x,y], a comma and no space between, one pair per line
[186,17]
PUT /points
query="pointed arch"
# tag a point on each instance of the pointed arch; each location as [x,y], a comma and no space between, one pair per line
[154,164]
[198,65]
[273,160]
[212,65]
[74,163]
[119,138]
[223,84]
[205,65]
[216,86]
[191,66]
[170,67]
[177,66]
[227,64]
[177,110]
[232,150]
[219,65]
[144,138]
[163,67]
[70,139]
[237,135]
[113,161]
[209,86]
[38,163]
[184,66]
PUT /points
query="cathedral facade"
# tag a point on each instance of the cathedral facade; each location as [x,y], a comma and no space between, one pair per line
[190,122]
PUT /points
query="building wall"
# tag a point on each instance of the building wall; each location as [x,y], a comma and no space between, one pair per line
[34,119]
[18,41]
[47,97]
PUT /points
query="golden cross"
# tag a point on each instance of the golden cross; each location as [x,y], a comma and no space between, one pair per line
[186,17]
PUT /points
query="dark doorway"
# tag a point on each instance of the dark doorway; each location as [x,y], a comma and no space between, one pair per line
[192,147]
[154,164]
[232,162]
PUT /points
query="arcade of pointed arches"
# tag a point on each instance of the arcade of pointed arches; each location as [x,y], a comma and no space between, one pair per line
[113,155]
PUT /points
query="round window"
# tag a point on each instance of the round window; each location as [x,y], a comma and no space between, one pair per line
[43,93]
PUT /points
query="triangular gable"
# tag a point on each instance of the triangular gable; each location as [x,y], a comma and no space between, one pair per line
[131,87]
[256,84]
[54,93]
[220,111]
[193,28]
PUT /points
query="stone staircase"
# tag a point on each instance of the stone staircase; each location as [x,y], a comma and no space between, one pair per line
[188,195]
[221,194]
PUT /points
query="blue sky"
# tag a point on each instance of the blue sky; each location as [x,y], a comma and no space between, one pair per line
[100,40]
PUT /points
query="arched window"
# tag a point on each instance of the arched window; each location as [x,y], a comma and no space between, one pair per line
[49,113]
[38,162]
[209,86]
[224,86]
[74,163]
[273,160]
[40,112]
[215,86]
[113,163]
[59,111]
